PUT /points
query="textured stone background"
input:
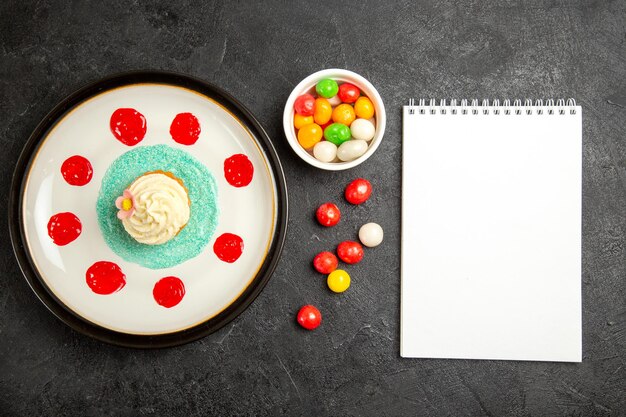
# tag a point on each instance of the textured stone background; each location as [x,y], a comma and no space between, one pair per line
[262,364]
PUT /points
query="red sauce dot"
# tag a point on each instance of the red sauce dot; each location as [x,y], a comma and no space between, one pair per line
[128,126]
[228,247]
[168,291]
[185,129]
[77,170]
[105,278]
[64,228]
[238,170]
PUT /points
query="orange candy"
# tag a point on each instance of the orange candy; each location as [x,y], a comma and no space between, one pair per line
[344,113]
[322,111]
[300,120]
[364,108]
[309,135]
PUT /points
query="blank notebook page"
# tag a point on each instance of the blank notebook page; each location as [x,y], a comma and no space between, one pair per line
[491,233]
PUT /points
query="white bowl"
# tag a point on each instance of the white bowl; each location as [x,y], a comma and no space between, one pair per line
[308,86]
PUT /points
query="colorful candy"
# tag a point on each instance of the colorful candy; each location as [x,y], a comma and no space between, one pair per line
[350,252]
[322,111]
[362,129]
[326,123]
[338,281]
[351,150]
[358,191]
[344,113]
[334,101]
[364,108]
[348,93]
[309,317]
[337,133]
[325,151]
[328,214]
[371,234]
[304,105]
[300,120]
[327,88]
[309,135]
[325,262]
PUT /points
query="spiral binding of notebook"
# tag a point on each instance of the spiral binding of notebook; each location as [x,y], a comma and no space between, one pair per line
[495,107]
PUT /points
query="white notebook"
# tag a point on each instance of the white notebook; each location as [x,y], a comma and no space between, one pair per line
[491,230]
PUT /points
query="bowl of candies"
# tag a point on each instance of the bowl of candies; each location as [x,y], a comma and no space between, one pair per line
[334,119]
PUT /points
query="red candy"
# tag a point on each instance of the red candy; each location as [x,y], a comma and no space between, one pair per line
[358,191]
[128,126]
[348,93]
[64,228]
[350,252]
[309,317]
[328,214]
[325,262]
[305,105]
[77,170]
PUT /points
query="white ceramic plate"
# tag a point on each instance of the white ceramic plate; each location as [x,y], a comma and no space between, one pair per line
[215,291]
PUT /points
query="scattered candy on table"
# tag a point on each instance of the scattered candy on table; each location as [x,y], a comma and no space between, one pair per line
[339,115]
[309,317]
[338,281]
[358,191]
[325,262]
[350,252]
[371,234]
[328,214]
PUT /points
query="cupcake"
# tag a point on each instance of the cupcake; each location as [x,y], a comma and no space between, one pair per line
[154,208]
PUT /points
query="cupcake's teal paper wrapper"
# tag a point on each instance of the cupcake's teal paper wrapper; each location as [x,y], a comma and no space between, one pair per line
[202,189]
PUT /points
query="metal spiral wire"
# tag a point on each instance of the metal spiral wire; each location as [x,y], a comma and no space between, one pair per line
[485,106]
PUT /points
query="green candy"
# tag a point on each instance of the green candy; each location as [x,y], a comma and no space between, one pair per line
[327,88]
[337,133]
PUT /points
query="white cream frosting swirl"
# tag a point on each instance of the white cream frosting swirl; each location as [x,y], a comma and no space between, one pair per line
[161,209]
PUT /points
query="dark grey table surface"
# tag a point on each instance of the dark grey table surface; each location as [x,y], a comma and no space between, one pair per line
[262,363]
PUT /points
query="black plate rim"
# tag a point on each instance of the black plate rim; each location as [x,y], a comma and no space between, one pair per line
[16,224]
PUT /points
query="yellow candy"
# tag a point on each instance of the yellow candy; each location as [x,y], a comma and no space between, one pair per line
[338,280]
[344,114]
[322,111]
[309,135]
[300,120]
[364,108]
